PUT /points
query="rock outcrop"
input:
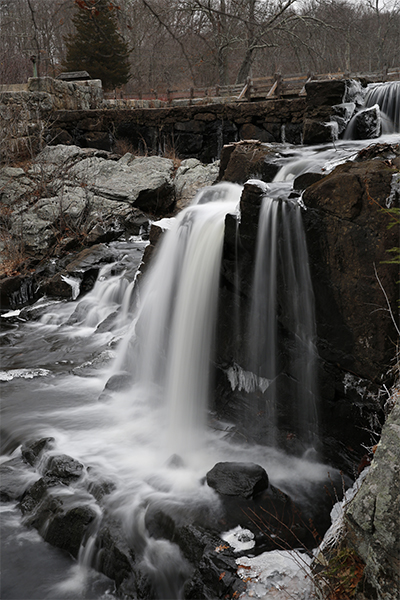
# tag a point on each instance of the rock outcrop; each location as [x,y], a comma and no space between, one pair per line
[71,199]
[372,518]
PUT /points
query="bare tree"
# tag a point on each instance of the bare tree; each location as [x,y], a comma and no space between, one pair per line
[32,27]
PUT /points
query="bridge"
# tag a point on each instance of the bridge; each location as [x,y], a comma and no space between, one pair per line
[185,123]
[254,89]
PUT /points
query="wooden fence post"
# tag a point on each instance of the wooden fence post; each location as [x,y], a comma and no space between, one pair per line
[279,81]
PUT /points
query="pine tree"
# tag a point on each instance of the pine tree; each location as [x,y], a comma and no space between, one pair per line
[96,46]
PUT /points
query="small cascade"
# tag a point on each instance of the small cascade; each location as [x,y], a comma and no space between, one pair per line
[281,331]
[387,97]
[379,114]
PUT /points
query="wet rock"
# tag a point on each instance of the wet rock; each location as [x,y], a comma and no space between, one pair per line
[34,495]
[248,160]
[99,489]
[238,479]
[119,382]
[302,182]
[17,291]
[213,560]
[317,132]
[14,479]
[157,230]
[366,124]
[64,468]
[114,557]
[271,516]
[212,580]
[32,451]
[347,230]
[67,530]
[342,114]
[372,518]
[175,462]
[57,287]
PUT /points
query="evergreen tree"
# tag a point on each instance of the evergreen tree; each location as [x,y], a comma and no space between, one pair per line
[96,46]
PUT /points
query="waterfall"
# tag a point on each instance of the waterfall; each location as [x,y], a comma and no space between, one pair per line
[170,344]
[157,330]
[281,331]
[262,318]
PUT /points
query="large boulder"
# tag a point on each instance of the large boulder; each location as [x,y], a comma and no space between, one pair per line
[245,160]
[348,241]
[366,124]
[238,479]
[143,182]
[192,175]
[327,92]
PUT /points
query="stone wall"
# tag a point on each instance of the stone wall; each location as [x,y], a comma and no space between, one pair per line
[51,112]
[198,131]
[26,111]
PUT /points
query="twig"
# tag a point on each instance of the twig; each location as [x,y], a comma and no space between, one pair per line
[387,301]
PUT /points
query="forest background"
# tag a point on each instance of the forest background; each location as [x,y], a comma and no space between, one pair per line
[178,44]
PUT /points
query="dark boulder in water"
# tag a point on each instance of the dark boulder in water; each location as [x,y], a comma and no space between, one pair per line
[365,125]
[32,451]
[238,479]
[64,467]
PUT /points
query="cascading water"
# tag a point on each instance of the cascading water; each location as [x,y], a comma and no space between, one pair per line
[57,365]
[387,97]
[379,114]
[281,330]
[262,317]
[169,349]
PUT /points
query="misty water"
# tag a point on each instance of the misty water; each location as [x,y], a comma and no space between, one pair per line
[55,366]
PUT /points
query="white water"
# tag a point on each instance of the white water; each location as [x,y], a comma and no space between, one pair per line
[381,106]
[387,97]
[262,317]
[125,437]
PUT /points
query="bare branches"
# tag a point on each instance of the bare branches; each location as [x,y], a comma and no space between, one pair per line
[170,31]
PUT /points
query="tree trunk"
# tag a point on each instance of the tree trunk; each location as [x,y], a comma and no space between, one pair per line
[245,67]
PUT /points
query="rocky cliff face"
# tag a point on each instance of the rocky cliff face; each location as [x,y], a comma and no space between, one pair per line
[372,518]
[346,226]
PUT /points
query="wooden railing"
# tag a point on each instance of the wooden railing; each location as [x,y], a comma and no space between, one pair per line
[259,88]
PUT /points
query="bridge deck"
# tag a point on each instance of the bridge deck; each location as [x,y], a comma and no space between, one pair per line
[260,88]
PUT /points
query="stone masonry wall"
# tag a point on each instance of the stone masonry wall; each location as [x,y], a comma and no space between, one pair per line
[26,113]
[51,112]
[197,131]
